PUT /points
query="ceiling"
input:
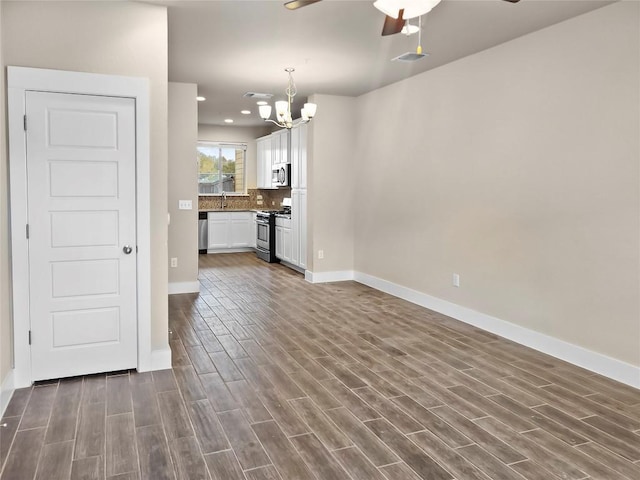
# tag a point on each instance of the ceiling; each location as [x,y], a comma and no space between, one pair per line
[235,46]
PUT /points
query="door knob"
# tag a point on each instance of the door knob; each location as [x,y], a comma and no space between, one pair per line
[127,249]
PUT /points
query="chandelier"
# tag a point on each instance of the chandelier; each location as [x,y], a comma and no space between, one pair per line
[283,107]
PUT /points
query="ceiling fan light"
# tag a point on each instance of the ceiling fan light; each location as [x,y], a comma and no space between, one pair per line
[265,111]
[417,8]
[412,8]
[388,7]
[409,29]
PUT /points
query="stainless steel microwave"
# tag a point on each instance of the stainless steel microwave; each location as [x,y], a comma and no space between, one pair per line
[281,175]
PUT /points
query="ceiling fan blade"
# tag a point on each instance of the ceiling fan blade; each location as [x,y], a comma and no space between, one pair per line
[393,25]
[294,4]
[512,1]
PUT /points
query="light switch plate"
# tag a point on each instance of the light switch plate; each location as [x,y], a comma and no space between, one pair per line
[185,205]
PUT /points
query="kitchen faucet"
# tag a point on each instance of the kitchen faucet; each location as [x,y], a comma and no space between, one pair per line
[223,199]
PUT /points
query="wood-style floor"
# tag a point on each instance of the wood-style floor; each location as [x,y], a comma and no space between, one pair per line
[275,378]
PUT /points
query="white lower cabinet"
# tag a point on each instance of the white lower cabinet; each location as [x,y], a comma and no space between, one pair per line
[279,242]
[239,231]
[218,230]
[291,233]
[299,227]
[230,230]
[286,241]
[253,230]
[283,239]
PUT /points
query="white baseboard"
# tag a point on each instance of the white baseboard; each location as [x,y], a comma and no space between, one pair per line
[161,359]
[184,287]
[325,277]
[6,392]
[593,361]
[213,251]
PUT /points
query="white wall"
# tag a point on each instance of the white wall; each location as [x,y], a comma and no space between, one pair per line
[331,184]
[248,135]
[120,38]
[5,261]
[183,174]
[517,168]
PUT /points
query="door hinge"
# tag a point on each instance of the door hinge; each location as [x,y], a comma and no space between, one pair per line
[29,337]
[27,230]
[24,119]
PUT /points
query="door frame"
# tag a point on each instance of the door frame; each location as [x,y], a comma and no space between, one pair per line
[19,81]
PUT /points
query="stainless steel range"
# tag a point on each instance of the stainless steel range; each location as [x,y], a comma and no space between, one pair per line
[266,233]
[266,236]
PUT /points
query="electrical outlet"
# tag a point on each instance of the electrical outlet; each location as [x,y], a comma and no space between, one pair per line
[456,280]
[320,254]
[174,262]
[185,205]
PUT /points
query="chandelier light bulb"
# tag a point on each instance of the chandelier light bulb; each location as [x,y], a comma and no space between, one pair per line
[265,111]
[310,109]
[281,108]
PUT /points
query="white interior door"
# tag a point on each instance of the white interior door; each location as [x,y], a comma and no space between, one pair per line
[82,245]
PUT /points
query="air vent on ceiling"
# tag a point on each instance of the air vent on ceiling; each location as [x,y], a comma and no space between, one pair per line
[409,57]
[257,95]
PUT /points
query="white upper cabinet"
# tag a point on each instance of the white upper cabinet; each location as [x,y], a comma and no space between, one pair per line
[280,147]
[272,150]
[263,167]
[302,163]
[275,149]
[295,156]
[299,156]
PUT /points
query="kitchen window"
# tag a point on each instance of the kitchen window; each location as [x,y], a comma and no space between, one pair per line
[221,168]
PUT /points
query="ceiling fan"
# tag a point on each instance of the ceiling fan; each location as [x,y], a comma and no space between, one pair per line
[395,16]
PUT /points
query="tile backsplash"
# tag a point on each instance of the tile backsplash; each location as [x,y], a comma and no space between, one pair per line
[271,200]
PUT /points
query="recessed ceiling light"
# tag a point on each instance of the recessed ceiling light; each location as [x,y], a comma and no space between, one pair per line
[245,112]
[261,102]
[228,120]
[200,99]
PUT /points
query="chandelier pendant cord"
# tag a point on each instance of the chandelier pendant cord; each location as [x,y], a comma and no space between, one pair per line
[419,49]
[291,87]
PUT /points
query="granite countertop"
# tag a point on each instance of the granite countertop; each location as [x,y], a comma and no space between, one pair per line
[227,210]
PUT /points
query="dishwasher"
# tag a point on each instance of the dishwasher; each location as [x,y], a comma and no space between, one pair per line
[203,232]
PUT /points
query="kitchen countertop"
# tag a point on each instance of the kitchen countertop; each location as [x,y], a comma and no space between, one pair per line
[286,215]
[228,210]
